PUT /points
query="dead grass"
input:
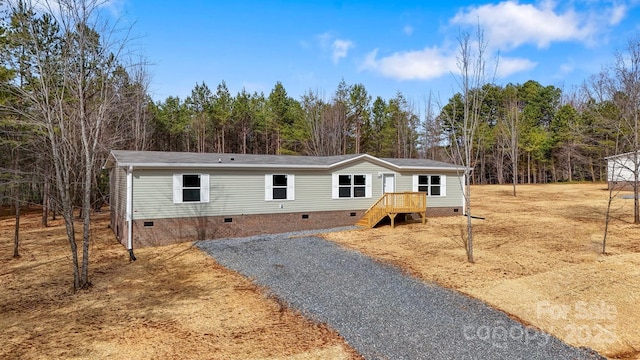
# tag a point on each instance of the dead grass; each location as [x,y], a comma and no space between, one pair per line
[173,303]
[537,258]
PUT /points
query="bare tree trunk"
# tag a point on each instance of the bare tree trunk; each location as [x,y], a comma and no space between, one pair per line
[482,175]
[528,168]
[244,138]
[607,218]
[636,174]
[223,150]
[514,174]
[45,200]
[569,166]
[16,236]
[16,199]
[86,223]
[500,167]
[358,136]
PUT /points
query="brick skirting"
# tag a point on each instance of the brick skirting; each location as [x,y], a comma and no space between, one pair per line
[168,231]
[155,232]
[443,211]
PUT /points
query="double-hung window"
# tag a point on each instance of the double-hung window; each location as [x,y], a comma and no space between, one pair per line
[279,187]
[433,185]
[190,188]
[351,186]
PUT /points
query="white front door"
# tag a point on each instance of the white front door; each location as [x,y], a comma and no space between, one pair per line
[388,183]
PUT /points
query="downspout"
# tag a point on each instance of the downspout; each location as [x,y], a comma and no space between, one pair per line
[129,210]
[464,194]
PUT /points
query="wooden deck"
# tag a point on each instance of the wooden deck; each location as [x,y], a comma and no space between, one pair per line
[392,204]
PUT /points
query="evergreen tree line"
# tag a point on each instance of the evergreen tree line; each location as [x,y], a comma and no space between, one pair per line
[255,123]
[534,132]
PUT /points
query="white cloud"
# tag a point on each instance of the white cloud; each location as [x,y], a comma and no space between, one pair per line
[509,66]
[115,7]
[617,13]
[340,49]
[508,24]
[566,68]
[337,48]
[429,63]
[408,29]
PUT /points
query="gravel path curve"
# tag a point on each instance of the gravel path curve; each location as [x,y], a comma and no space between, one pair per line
[381,312]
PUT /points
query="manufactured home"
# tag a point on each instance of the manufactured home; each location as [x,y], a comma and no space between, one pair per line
[159,198]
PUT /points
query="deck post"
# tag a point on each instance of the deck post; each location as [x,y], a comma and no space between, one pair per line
[392,204]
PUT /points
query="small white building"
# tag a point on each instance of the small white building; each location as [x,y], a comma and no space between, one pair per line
[621,169]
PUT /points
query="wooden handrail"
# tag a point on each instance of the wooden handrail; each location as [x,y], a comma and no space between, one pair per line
[391,204]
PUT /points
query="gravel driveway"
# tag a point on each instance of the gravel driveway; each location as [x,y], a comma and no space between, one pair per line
[381,312]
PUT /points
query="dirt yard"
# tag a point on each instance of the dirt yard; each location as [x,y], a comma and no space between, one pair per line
[537,257]
[173,303]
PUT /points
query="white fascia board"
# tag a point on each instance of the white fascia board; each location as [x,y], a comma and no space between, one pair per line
[221,166]
[279,166]
[621,155]
[367,157]
[431,168]
[350,160]
[393,166]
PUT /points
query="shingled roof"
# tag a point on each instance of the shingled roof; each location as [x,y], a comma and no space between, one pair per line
[162,159]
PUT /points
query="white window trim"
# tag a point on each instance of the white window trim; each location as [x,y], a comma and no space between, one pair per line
[335,186]
[443,184]
[177,189]
[268,187]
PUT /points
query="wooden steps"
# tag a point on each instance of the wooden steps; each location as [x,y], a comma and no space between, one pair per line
[392,204]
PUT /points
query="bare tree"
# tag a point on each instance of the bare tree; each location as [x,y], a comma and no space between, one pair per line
[610,96]
[432,130]
[511,128]
[323,125]
[72,53]
[472,77]
[621,85]
[613,193]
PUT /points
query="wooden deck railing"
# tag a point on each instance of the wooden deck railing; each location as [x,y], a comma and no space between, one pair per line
[391,204]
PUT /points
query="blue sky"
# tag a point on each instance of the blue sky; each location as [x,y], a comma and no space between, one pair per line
[388,46]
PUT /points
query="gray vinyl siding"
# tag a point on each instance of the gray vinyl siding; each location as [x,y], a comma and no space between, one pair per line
[118,192]
[122,193]
[453,197]
[118,200]
[235,192]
